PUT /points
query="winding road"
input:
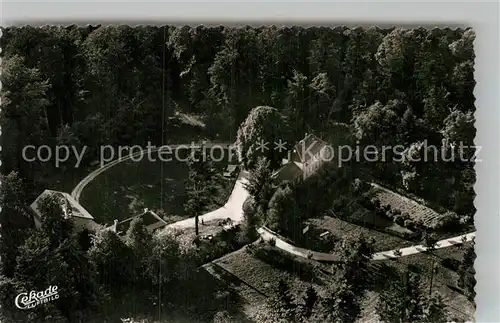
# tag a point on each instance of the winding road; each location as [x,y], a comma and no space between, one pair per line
[233,209]
[77,191]
[266,234]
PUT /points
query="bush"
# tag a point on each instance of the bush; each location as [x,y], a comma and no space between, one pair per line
[272,242]
[450,263]
[411,236]
[419,225]
[409,224]
[447,221]
[339,203]
[415,268]
[398,219]
[467,219]
[309,255]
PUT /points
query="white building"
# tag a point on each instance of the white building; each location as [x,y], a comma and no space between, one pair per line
[70,207]
[307,157]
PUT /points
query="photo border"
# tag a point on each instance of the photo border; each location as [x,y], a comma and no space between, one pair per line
[482,16]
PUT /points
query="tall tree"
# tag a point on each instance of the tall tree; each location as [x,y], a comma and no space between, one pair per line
[111,259]
[342,304]
[258,135]
[200,184]
[283,213]
[140,240]
[309,301]
[15,222]
[466,272]
[56,225]
[260,183]
[24,116]
[403,301]
[355,255]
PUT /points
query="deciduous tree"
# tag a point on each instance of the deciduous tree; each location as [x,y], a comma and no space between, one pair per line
[257,136]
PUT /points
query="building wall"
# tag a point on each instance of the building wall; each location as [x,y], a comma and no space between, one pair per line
[312,165]
[81,224]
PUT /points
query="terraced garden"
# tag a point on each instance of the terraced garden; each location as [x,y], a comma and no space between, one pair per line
[416,210]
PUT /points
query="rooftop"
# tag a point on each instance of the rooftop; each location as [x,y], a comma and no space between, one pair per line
[288,172]
[311,144]
[69,205]
[149,219]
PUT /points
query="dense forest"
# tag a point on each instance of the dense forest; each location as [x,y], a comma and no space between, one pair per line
[121,85]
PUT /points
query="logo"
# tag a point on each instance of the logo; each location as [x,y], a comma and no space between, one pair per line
[26,301]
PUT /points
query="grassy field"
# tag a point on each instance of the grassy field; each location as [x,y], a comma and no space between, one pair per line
[343,229]
[127,188]
[255,279]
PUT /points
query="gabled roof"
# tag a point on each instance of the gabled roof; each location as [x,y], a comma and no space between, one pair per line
[308,147]
[149,219]
[69,205]
[288,172]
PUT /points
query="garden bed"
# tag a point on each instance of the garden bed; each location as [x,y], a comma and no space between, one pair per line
[343,229]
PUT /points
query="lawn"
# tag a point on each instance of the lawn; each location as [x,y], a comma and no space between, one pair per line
[342,229]
[126,189]
[60,180]
[255,279]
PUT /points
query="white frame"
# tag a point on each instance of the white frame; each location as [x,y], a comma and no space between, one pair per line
[482,16]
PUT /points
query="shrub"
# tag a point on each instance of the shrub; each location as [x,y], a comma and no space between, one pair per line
[272,242]
[415,268]
[465,219]
[450,263]
[447,221]
[339,204]
[409,224]
[398,219]
[419,225]
[430,240]
[309,255]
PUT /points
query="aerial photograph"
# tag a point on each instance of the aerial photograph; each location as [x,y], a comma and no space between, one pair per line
[246,174]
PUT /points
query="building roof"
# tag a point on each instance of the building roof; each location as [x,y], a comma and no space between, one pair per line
[308,147]
[288,172]
[69,205]
[149,219]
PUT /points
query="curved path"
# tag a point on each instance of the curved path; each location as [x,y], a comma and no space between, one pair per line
[233,209]
[267,234]
[77,191]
